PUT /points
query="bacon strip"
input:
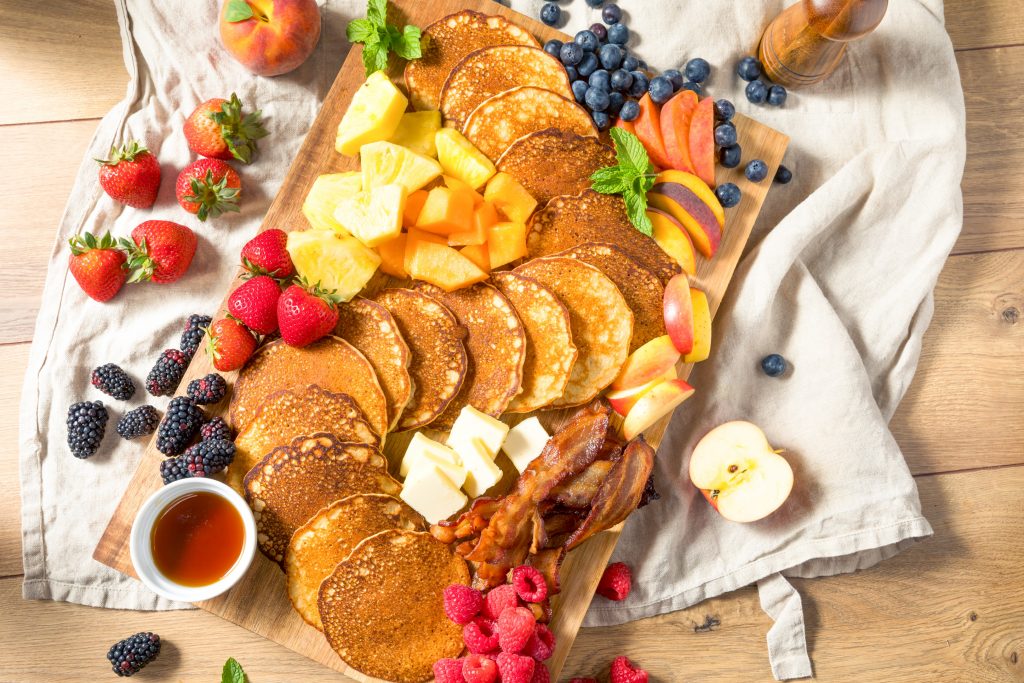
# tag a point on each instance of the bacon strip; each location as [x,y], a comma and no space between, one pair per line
[579,491]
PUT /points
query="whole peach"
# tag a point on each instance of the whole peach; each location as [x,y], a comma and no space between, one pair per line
[276,37]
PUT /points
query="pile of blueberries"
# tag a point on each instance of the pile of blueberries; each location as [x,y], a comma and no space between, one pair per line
[759,92]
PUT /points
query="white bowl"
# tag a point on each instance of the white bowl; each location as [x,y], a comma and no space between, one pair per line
[142,550]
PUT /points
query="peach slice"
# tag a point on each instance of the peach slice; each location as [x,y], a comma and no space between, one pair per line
[701,327]
[673,239]
[698,187]
[680,202]
[655,404]
[623,400]
[676,115]
[648,362]
[678,312]
[647,127]
[702,140]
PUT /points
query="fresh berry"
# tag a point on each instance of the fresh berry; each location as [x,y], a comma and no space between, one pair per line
[97,265]
[756,171]
[615,582]
[448,671]
[618,34]
[86,422]
[173,469]
[498,599]
[756,91]
[128,656]
[773,365]
[728,195]
[621,80]
[588,65]
[217,128]
[630,63]
[615,102]
[541,644]
[730,156]
[579,91]
[725,134]
[306,314]
[479,669]
[630,110]
[141,421]
[640,84]
[587,39]
[160,251]
[230,344]
[480,636]
[540,674]
[208,457]
[600,79]
[599,30]
[660,89]
[166,374]
[113,381]
[208,389]
[550,13]
[783,175]
[749,69]
[776,96]
[675,76]
[695,87]
[267,254]
[610,56]
[131,175]
[623,671]
[611,14]
[254,302]
[192,335]
[697,70]
[462,603]
[515,626]
[553,47]
[571,54]
[724,110]
[595,3]
[572,72]
[597,97]
[529,584]
[515,668]
[216,428]
[180,424]
[208,188]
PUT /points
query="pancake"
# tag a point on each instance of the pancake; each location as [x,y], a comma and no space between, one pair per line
[291,483]
[383,607]
[593,217]
[290,413]
[529,161]
[329,536]
[446,42]
[550,352]
[504,118]
[495,349]
[369,327]
[642,290]
[331,363]
[438,365]
[492,70]
[601,322]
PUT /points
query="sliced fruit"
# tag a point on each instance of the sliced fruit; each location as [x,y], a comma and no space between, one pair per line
[413,205]
[696,186]
[702,140]
[510,198]
[673,239]
[678,310]
[647,127]
[478,254]
[337,262]
[374,114]
[384,163]
[506,242]
[441,265]
[649,362]
[392,256]
[414,236]
[446,211]
[453,183]
[323,197]
[626,126]
[484,216]
[373,216]
[623,400]
[461,159]
[676,115]
[655,404]
[701,328]
[692,213]
[416,130]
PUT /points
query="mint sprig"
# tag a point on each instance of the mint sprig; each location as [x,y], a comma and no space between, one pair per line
[379,38]
[632,177]
[232,672]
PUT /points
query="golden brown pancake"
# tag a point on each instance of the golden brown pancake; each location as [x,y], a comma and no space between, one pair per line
[529,160]
[383,607]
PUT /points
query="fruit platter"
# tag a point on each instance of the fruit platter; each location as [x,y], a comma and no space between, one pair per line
[495,293]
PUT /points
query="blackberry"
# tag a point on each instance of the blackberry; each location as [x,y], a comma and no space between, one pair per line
[113,381]
[139,422]
[208,457]
[180,424]
[216,428]
[87,421]
[173,469]
[166,375]
[192,336]
[206,390]
[128,656]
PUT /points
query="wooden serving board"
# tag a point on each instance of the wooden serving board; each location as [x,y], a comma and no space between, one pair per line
[259,602]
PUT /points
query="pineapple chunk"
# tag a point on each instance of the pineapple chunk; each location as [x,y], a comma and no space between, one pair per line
[416,131]
[324,195]
[338,262]
[384,163]
[441,265]
[461,159]
[374,114]
[373,216]
[509,197]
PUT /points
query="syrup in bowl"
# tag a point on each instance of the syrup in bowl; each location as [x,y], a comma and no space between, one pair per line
[197,539]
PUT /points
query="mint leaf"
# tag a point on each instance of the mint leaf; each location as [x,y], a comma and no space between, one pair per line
[375,57]
[232,672]
[237,10]
[629,151]
[636,209]
[361,31]
[609,180]
[409,45]
[377,11]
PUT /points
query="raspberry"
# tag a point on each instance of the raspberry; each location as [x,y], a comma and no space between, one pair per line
[448,671]
[615,582]
[623,672]
[515,627]
[529,584]
[480,636]
[540,674]
[479,669]
[515,668]
[541,644]
[498,600]
[462,603]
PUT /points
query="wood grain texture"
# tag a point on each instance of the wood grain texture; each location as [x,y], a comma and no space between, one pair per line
[13,360]
[977,24]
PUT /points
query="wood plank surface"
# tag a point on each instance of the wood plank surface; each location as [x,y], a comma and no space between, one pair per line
[13,360]
[977,24]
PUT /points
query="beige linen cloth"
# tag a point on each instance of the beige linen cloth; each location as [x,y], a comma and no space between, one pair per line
[838,279]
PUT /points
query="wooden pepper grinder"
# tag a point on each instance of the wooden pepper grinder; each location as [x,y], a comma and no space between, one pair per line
[808,40]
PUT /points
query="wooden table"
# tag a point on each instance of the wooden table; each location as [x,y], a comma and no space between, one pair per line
[949,609]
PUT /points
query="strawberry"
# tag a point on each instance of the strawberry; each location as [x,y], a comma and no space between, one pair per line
[131,175]
[98,266]
[306,314]
[267,254]
[208,188]
[230,344]
[160,251]
[217,129]
[254,302]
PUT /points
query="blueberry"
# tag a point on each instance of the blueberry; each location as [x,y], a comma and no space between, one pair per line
[588,65]
[611,56]
[550,13]
[553,47]
[618,34]
[695,87]
[571,54]
[611,14]
[579,90]
[573,73]
[724,110]
[660,89]
[776,96]
[587,40]
[615,102]
[643,66]
[675,76]
[595,3]
[621,80]
[756,171]
[698,70]
[600,79]
[630,110]
[783,175]
[757,92]
[725,134]
[729,156]
[597,99]
[773,365]
[749,69]
[601,120]
[640,84]
[630,63]
[599,30]
[728,195]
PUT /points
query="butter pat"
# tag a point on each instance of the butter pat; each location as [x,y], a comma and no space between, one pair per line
[424,451]
[481,472]
[471,425]
[429,492]
[525,442]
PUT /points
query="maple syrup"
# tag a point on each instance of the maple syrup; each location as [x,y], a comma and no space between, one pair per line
[197,539]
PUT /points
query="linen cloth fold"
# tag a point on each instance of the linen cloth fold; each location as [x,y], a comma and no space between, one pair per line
[838,279]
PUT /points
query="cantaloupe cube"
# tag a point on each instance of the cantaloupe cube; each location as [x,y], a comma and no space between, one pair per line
[510,197]
[412,237]
[392,256]
[506,242]
[484,216]
[446,211]
[453,183]
[477,253]
[441,265]
[413,206]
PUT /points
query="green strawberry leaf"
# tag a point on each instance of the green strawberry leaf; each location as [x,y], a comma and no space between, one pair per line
[238,10]
[232,672]
[361,31]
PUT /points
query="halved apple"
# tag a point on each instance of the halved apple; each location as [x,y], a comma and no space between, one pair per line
[655,404]
[689,208]
[648,362]
[623,400]
[739,473]
[673,239]
[701,327]
[678,312]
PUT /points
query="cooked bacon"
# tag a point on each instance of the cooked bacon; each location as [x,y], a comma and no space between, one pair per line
[579,491]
